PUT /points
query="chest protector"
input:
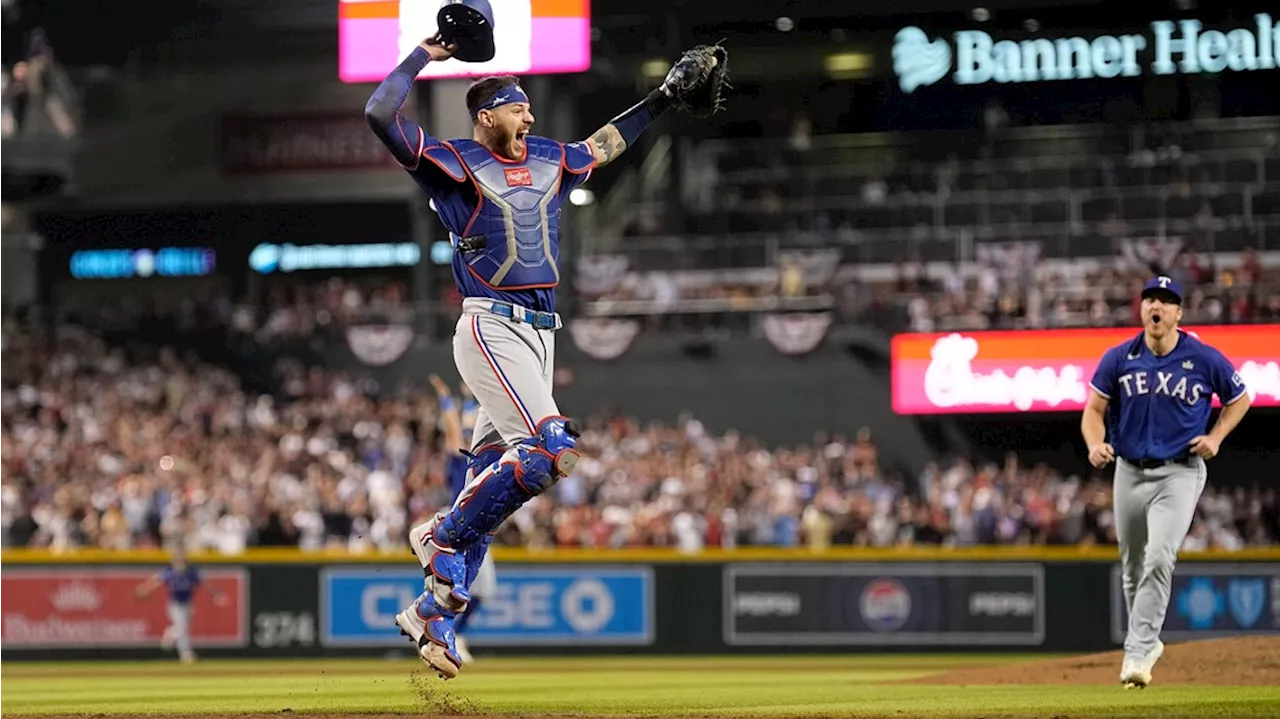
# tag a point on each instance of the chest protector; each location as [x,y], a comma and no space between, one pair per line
[512,240]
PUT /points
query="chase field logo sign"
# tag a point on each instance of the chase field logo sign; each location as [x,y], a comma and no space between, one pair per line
[1170,48]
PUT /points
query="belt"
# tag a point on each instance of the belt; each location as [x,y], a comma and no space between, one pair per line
[515,313]
[1156,463]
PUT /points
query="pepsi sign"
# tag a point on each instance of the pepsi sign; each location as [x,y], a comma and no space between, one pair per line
[884,604]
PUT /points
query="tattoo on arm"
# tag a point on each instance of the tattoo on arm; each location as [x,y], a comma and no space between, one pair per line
[607,144]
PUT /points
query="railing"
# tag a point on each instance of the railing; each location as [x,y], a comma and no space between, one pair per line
[942,244]
[1037,143]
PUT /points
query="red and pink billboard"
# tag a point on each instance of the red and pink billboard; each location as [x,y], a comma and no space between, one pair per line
[77,607]
[531,37]
[1048,370]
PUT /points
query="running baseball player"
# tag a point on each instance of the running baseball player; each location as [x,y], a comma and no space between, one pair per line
[499,194]
[181,580]
[1148,410]
[453,425]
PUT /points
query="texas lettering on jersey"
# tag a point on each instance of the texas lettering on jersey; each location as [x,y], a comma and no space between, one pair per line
[1157,405]
[1185,389]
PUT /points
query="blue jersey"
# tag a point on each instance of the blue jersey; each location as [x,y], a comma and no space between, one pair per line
[1158,404]
[455,473]
[181,584]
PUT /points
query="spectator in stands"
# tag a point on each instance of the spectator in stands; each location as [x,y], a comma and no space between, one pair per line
[17,98]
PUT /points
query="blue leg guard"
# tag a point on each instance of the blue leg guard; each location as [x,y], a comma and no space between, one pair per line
[444,598]
[474,557]
[523,472]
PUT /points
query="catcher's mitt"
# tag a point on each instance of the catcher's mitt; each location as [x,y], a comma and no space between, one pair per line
[699,80]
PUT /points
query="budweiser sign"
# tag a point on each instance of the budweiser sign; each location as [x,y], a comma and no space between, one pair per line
[77,607]
[1048,370]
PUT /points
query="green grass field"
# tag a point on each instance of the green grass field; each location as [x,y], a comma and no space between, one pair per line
[828,686]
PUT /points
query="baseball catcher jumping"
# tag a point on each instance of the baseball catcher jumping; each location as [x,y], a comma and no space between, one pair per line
[499,194]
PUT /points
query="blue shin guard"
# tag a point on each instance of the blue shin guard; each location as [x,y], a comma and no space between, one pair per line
[522,473]
[444,598]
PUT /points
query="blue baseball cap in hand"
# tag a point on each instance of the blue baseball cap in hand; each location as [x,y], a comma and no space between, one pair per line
[1163,288]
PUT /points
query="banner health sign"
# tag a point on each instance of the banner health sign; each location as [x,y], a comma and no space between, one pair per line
[269,258]
[1048,370]
[550,606]
[1168,48]
[1211,600]
[144,262]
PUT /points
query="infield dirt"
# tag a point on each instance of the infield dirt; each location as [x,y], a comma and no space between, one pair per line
[1240,661]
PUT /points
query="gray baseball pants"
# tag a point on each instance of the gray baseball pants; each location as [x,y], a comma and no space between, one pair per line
[179,628]
[1154,509]
[508,366]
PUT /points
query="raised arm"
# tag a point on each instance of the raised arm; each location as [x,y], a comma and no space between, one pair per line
[701,69]
[621,132]
[150,585]
[405,138]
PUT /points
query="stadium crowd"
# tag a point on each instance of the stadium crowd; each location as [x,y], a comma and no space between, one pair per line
[111,447]
[1003,289]
[37,92]
[1007,292]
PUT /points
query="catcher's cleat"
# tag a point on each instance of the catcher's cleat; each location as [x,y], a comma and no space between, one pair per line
[432,636]
[1136,673]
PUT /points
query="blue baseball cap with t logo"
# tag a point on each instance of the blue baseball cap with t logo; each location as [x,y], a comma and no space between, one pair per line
[1163,288]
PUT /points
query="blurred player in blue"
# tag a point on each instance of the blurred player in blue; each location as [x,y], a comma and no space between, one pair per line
[181,580]
[1148,410]
[454,425]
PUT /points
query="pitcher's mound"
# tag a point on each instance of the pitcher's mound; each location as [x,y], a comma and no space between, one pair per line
[1242,661]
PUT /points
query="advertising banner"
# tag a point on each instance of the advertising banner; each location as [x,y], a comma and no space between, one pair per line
[268,258]
[1048,370]
[879,604]
[531,37]
[1164,47]
[549,606]
[143,262]
[89,607]
[257,144]
[1211,600]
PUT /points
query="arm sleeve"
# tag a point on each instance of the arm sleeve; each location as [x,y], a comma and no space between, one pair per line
[1104,377]
[1227,382]
[405,138]
[579,162]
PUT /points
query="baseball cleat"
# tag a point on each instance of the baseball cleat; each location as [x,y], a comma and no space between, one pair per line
[1136,673]
[433,639]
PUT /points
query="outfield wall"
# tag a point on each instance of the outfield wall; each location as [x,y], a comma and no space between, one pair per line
[288,603]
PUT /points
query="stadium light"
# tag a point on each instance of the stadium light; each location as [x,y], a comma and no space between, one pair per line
[847,64]
[655,69]
[579,197]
